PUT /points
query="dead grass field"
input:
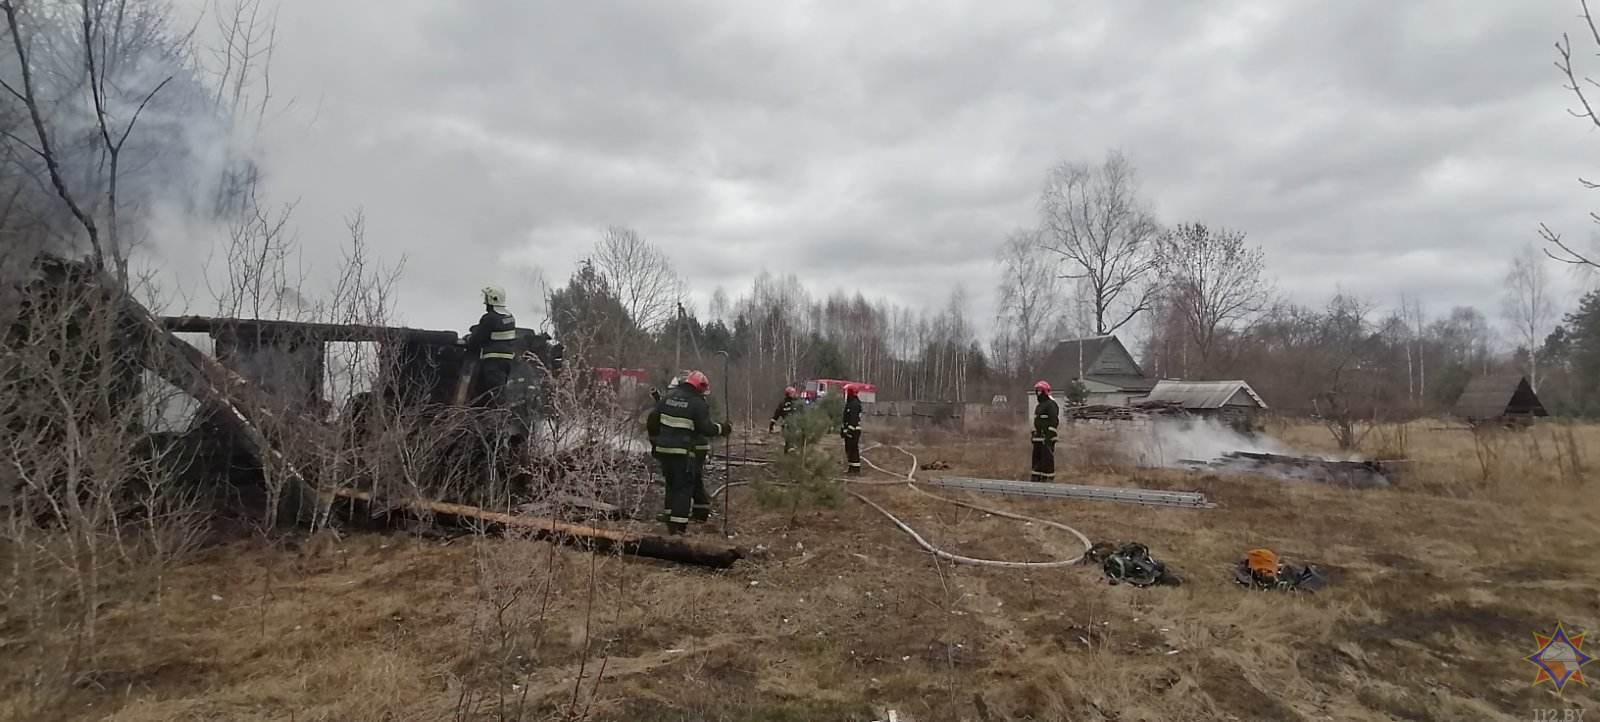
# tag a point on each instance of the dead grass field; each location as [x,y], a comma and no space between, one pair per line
[1438,587]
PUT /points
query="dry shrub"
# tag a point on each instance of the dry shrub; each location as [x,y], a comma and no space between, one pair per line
[1093,446]
[93,514]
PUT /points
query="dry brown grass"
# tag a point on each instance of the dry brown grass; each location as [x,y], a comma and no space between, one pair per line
[1438,586]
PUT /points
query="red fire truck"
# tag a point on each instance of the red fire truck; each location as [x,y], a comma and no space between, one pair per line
[816,388]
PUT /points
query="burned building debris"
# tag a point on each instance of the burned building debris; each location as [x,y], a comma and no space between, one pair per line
[263,412]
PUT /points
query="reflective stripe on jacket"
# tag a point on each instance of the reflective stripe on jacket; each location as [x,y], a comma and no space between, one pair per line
[680,420]
[851,424]
[495,335]
[1046,417]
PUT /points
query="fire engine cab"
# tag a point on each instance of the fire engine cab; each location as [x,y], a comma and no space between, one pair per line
[818,388]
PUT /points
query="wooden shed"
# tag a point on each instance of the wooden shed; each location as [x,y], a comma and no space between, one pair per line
[1499,397]
[1228,400]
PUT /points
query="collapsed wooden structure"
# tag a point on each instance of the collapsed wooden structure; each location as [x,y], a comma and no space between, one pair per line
[1358,474]
[267,375]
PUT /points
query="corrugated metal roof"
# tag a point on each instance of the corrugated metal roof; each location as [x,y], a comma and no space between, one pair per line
[1200,394]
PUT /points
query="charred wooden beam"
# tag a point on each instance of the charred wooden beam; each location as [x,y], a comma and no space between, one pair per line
[675,549]
[312,331]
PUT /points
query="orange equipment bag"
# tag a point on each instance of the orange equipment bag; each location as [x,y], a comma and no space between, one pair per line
[1262,562]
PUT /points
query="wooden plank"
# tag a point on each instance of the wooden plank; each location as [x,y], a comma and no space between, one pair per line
[675,549]
[319,331]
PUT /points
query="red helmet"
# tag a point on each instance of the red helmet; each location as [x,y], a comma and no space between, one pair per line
[789,392]
[1042,387]
[851,389]
[698,381]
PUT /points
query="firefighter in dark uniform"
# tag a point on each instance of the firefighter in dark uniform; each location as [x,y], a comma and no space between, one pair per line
[1046,417]
[494,339]
[850,429]
[700,506]
[788,406]
[680,417]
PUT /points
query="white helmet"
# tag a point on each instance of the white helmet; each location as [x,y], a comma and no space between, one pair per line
[494,296]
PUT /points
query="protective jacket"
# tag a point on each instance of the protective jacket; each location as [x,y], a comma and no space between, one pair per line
[852,417]
[786,407]
[679,419]
[1046,417]
[495,335]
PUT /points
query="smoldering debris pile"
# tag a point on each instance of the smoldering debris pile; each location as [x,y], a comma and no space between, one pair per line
[1354,474]
[1192,443]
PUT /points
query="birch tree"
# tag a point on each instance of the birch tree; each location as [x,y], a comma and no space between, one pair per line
[1030,298]
[1527,306]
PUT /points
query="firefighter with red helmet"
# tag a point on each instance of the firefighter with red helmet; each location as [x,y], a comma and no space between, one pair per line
[791,402]
[679,420]
[850,429]
[1046,417]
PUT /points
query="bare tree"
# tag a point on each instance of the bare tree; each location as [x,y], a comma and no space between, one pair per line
[1557,247]
[1030,297]
[1416,320]
[1527,306]
[641,275]
[1347,342]
[1215,282]
[720,305]
[1094,218]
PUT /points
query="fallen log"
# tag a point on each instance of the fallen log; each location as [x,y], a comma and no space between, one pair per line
[719,556]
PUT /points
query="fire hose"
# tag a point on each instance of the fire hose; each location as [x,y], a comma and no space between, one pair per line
[909,479]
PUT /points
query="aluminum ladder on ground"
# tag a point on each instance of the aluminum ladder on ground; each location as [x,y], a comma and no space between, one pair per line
[1152,497]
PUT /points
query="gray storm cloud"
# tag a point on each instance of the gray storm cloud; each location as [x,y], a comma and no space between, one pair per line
[1370,146]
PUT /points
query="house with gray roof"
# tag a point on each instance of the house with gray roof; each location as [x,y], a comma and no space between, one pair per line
[1103,364]
[1225,399]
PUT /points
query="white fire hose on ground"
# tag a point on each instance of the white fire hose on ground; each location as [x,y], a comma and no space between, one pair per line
[910,479]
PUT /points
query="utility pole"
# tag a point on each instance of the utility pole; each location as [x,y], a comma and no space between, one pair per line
[677,341]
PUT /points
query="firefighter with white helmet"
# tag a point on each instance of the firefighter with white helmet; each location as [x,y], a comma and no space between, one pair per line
[494,340]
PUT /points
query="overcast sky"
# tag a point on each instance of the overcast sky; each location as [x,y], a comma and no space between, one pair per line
[889,146]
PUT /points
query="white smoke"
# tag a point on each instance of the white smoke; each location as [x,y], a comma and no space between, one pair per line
[1167,443]
[1205,443]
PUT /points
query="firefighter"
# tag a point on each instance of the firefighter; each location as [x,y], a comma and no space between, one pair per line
[1046,417]
[788,406]
[700,506]
[850,429]
[681,416]
[494,339]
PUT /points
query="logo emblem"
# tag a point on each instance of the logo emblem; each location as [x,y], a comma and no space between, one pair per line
[1560,658]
